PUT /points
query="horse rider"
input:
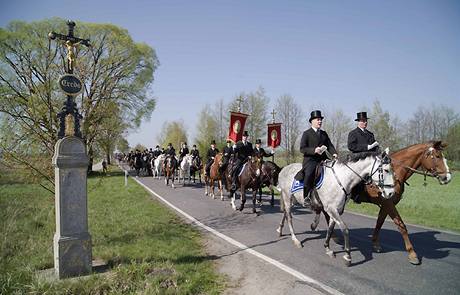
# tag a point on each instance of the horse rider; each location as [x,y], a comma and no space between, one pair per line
[228,152]
[260,152]
[212,152]
[313,145]
[243,150]
[170,152]
[183,152]
[361,140]
[156,152]
[194,152]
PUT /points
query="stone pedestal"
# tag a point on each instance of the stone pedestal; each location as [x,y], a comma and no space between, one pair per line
[72,241]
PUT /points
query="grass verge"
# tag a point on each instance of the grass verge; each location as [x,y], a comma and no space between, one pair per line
[148,248]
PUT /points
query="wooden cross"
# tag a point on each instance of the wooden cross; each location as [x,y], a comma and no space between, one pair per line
[273,114]
[70,42]
[239,100]
[69,118]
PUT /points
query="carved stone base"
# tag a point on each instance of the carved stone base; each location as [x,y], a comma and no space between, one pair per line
[72,255]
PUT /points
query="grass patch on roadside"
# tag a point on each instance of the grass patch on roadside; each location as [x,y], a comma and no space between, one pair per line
[433,205]
[148,248]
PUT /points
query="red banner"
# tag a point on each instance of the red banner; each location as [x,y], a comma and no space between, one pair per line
[237,122]
[274,134]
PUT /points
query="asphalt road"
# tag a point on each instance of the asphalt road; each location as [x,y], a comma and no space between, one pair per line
[388,272]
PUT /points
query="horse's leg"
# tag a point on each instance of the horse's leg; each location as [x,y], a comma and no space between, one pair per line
[232,197]
[280,227]
[330,230]
[254,198]
[272,191]
[378,225]
[260,195]
[243,197]
[221,190]
[315,222]
[172,181]
[346,236]
[394,214]
[212,189]
[291,227]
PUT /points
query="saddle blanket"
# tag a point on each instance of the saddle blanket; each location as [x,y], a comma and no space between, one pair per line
[298,185]
[242,168]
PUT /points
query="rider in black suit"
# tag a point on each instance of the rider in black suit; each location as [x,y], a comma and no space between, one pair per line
[312,145]
[243,150]
[361,140]
[212,152]
[260,152]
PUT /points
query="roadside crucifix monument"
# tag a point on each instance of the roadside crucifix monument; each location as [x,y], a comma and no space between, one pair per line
[72,241]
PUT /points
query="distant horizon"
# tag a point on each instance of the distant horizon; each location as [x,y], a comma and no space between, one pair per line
[328,55]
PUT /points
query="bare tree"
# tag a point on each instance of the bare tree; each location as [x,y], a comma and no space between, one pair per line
[290,114]
[338,126]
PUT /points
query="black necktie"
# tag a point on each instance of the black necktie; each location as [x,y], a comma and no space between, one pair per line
[317,132]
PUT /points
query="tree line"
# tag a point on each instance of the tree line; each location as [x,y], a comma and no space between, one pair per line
[436,122]
[116,73]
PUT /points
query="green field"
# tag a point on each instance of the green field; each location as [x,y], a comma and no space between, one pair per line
[148,248]
[434,205]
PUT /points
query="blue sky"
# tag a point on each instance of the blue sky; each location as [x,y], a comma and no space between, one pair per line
[327,54]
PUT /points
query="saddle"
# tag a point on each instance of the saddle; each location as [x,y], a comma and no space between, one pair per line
[301,174]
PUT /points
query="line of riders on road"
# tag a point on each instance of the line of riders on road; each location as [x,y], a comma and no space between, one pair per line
[315,145]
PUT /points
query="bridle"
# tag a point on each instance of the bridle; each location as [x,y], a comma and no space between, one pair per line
[381,185]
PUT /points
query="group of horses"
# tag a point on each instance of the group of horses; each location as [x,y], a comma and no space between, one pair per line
[383,174]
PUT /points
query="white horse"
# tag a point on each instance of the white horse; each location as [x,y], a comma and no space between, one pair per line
[338,180]
[185,168]
[158,166]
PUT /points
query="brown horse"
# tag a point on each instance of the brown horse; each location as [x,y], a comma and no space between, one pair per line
[425,156]
[269,178]
[170,169]
[214,176]
[248,178]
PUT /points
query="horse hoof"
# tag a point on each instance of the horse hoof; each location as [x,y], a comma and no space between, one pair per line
[313,226]
[222,198]
[241,208]
[280,233]
[298,244]
[347,260]
[414,260]
[330,253]
[254,211]
[377,248]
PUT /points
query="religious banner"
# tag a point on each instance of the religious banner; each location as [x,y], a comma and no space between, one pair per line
[237,122]
[274,134]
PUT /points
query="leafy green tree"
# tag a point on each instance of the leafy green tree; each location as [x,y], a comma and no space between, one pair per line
[453,141]
[173,132]
[114,68]
[385,133]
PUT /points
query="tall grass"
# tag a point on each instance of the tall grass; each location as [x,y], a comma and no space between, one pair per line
[147,248]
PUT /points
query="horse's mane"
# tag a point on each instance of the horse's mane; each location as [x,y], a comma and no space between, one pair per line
[429,143]
[355,157]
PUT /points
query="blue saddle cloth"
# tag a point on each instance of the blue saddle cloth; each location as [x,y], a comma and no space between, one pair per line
[298,185]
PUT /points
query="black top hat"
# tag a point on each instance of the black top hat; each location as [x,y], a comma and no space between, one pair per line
[169,144]
[229,141]
[185,143]
[194,145]
[361,116]
[258,141]
[314,115]
[213,141]
[245,133]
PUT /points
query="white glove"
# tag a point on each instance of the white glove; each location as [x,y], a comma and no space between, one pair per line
[273,151]
[371,146]
[234,146]
[323,149]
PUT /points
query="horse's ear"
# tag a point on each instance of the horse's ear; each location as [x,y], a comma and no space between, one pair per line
[439,145]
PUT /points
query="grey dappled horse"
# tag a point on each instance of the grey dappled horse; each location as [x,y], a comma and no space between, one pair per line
[338,180]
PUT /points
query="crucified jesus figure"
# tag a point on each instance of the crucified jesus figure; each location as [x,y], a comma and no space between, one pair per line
[71,56]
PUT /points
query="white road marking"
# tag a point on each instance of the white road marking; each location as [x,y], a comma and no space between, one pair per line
[312,282]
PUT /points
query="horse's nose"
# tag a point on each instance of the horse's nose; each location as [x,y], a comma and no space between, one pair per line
[445,179]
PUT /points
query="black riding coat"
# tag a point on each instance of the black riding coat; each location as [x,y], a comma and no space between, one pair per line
[228,151]
[309,142]
[195,153]
[183,152]
[260,152]
[358,140]
[170,152]
[212,153]
[243,151]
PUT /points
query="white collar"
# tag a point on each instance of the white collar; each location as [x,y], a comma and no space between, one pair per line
[362,129]
[314,129]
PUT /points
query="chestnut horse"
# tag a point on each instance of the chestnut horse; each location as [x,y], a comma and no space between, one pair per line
[424,158]
[170,168]
[214,176]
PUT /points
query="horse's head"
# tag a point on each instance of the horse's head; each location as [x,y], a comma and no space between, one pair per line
[382,175]
[434,162]
[219,159]
[256,163]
